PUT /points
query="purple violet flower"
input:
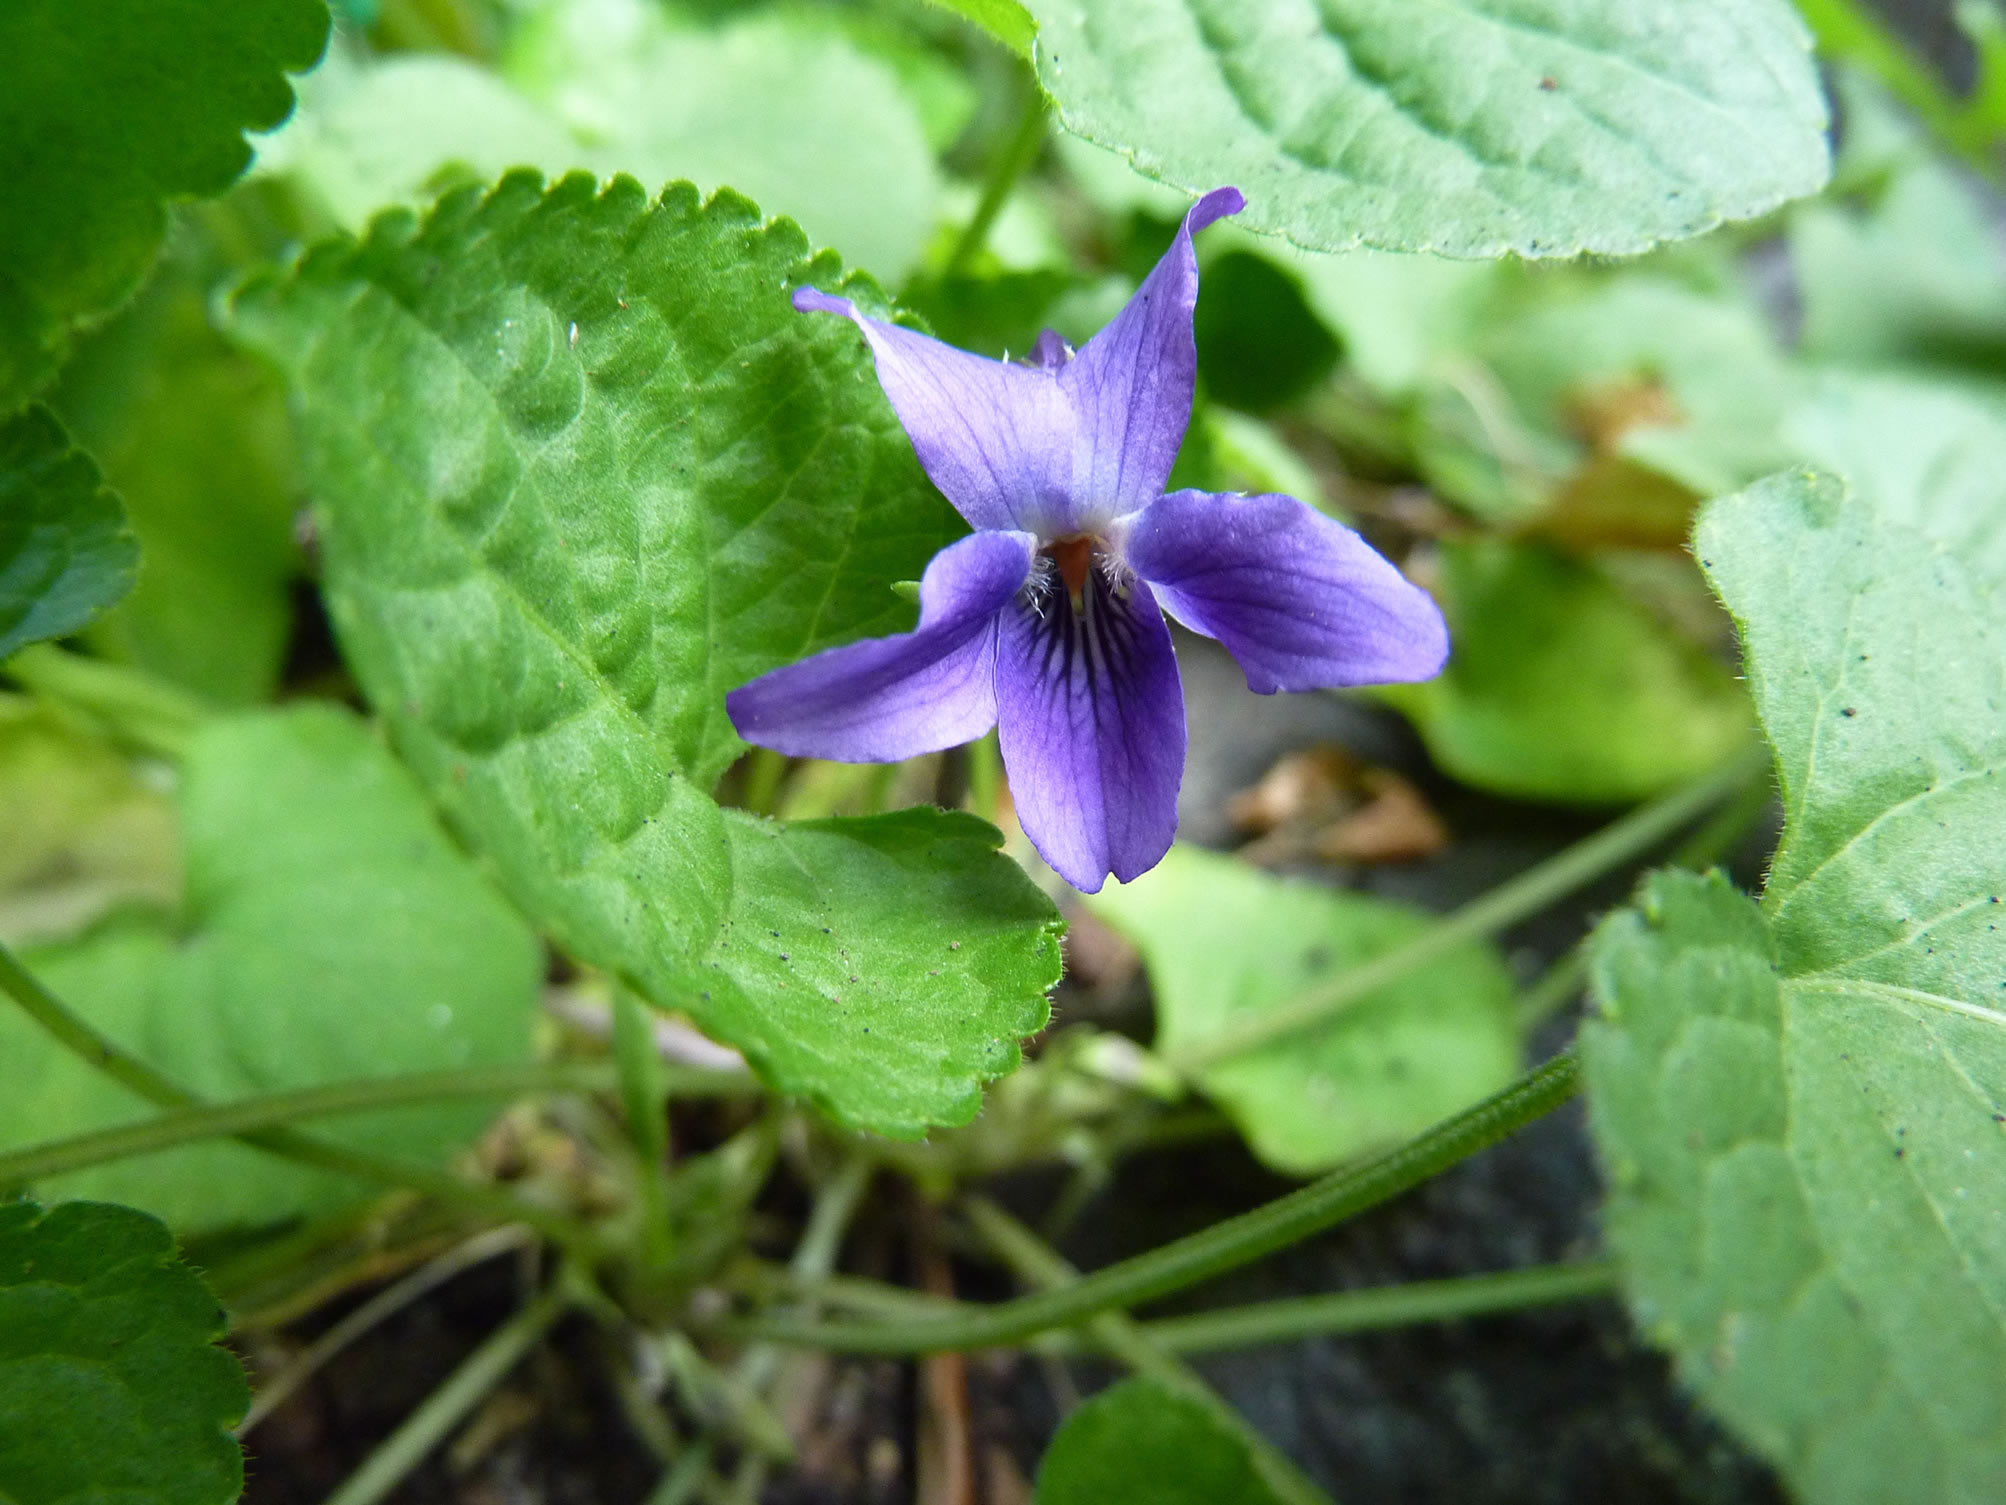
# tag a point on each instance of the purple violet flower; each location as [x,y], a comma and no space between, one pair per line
[1047,621]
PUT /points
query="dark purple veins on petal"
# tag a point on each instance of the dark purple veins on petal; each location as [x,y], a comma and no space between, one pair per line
[1091,721]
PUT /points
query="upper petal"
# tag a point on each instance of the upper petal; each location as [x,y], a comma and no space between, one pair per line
[1130,386]
[1090,715]
[996,438]
[890,698]
[1300,600]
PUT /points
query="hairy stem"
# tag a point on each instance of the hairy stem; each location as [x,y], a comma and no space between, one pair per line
[1212,1251]
[1522,897]
[1389,1306]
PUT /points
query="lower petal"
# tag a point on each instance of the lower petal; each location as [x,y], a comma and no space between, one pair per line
[1299,599]
[890,698]
[1091,719]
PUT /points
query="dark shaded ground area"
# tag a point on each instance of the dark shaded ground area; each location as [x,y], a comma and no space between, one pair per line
[1562,1405]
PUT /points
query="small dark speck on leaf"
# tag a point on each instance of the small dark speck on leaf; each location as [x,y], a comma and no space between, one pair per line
[954,945]
[1549,83]
[1848,711]
[1899,1152]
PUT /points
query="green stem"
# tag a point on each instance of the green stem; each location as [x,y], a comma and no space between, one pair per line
[815,1256]
[1389,1306]
[404,1449]
[181,1126]
[765,768]
[378,1309]
[644,1095]
[148,713]
[1212,1251]
[1557,987]
[1522,897]
[1562,982]
[1010,164]
[985,778]
[77,1036]
[1041,1266]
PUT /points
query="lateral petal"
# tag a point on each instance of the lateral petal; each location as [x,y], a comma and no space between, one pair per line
[996,438]
[1301,601]
[896,697]
[1130,386]
[1090,714]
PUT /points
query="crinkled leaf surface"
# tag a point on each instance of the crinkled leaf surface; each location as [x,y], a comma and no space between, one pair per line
[1224,940]
[330,930]
[111,1385]
[110,110]
[581,470]
[1560,686]
[1468,127]
[194,437]
[1141,1440]
[1802,1103]
[66,552]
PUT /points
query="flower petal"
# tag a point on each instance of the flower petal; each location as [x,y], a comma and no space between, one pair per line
[1130,385]
[996,438]
[1091,718]
[889,698]
[1299,599]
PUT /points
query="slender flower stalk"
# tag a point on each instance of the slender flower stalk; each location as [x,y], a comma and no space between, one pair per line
[1047,621]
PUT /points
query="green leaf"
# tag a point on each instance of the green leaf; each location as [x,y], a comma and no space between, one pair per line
[785,110]
[1915,275]
[1399,316]
[1005,20]
[1926,453]
[1800,1104]
[371,134]
[1542,127]
[111,1383]
[330,931]
[1143,1440]
[111,111]
[1224,940]
[65,550]
[582,470]
[1640,366]
[194,436]
[1259,345]
[1562,687]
